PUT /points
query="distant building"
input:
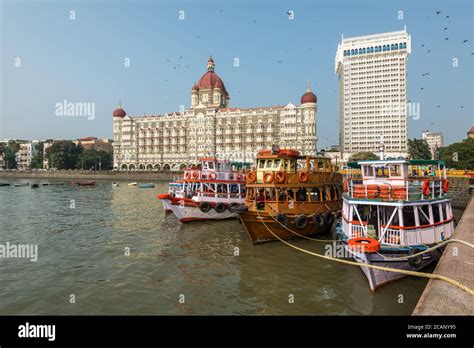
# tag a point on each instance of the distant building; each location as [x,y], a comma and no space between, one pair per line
[46,146]
[372,73]
[93,143]
[25,155]
[2,161]
[434,140]
[470,133]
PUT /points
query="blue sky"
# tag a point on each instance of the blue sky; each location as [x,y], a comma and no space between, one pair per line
[82,60]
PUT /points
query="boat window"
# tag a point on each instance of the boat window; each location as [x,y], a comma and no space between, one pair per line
[261,164]
[332,192]
[204,165]
[395,170]
[381,172]
[269,164]
[270,194]
[436,215]
[276,164]
[211,165]
[315,195]
[368,171]
[324,195]
[302,194]
[408,216]
[292,165]
[424,214]
[446,211]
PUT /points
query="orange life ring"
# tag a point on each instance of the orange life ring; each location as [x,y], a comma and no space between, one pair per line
[280,177]
[303,176]
[195,174]
[212,175]
[251,177]
[268,177]
[426,188]
[187,175]
[445,185]
[363,244]
[239,177]
[346,186]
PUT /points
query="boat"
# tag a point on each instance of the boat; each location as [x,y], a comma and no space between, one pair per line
[391,214]
[114,184]
[148,185]
[86,183]
[45,184]
[34,185]
[290,196]
[22,184]
[206,191]
[132,184]
[56,183]
[2,184]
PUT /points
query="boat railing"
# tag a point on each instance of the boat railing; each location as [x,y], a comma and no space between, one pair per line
[195,174]
[226,195]
[392,236]
[358,231]
[412,189]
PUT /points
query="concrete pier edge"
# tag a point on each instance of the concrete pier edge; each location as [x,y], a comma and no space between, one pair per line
[457,262]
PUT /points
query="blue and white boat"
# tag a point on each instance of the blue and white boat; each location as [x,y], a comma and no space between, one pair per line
[148,185]
[391,212]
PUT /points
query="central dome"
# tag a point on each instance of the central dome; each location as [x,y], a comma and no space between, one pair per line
[210,79]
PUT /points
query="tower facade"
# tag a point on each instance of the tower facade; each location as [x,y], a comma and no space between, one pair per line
[372,73]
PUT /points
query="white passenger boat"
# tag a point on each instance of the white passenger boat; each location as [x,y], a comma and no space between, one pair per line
[205,192]
[391,213]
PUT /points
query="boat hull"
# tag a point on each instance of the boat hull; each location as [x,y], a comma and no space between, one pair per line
[189,211]
[377,278]
[261,227]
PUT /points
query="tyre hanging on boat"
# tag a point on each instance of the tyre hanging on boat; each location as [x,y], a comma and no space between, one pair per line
[219,208]
[415,261]
[318,221]
[282,220]
[328,218]
[205,207]
[301,221]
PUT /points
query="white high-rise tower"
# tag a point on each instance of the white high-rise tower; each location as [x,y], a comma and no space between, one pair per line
[372,73]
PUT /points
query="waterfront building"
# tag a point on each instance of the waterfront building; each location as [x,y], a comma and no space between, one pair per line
[372,73]
[470,133]
[93,143]
[210,127]
[46,146]
[25,155]
[434,140]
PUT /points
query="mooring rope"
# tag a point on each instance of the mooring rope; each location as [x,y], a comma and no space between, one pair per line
[354,263]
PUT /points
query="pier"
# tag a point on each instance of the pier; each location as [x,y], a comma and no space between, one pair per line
[457,262]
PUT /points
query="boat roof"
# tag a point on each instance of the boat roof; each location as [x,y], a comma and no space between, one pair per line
[356,165]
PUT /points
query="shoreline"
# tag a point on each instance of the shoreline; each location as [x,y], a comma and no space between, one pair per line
[117,176]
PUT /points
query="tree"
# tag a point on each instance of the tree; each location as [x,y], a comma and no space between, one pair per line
[459,155]
[37,160]
[93,159]
[418,149]
[64,154]
[363,156]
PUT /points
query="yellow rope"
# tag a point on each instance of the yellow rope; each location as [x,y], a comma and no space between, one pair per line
[353,263]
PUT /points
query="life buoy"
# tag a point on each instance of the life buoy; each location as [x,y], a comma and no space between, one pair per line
[301,221]
[280,177]
[219,208]
[303,176]
[416,261]
[212,175]
[205,207]
[346,186]
[426,188]
[251,176]
[364,245]
[318,221]
[268,177]
[282,220]
[195,174]
[445,185]
[239,177]
[187,175]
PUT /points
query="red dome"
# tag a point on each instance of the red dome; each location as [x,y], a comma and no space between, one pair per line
[119,112]
[308,97]
[211,80]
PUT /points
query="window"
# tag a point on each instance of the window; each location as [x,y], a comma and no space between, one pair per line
[276,164]
[269,164]
[424,214]
[315,195]
[368,171]
[211,165]
[381,172]
[261,164]
[395,170]
[436,214]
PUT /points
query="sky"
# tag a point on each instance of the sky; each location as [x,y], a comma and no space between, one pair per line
[47,57]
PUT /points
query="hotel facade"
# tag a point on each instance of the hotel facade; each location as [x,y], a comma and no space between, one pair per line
[209,127]
[373,93]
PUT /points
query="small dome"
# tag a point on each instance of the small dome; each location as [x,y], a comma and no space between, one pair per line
[119,112]
[309,97]
[195,88]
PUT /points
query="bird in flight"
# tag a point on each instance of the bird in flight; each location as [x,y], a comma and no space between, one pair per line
[464,41]
[438,12]
[446,38]
[447,17]
[445,28]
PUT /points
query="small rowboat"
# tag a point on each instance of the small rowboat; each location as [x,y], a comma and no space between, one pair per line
[4,184]
[56,183]
[114,184]
[45,184]
[86,183]
[34,185]
[132,184]
[22,185]
[148,185]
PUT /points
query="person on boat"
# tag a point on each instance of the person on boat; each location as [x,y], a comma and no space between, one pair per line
[260,200]
[433,172]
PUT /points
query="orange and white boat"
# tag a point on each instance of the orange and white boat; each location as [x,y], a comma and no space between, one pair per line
[205,192]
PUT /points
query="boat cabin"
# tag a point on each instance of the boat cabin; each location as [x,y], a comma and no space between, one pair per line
[210,168]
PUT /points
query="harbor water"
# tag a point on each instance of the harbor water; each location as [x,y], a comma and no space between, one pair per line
[112,250]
